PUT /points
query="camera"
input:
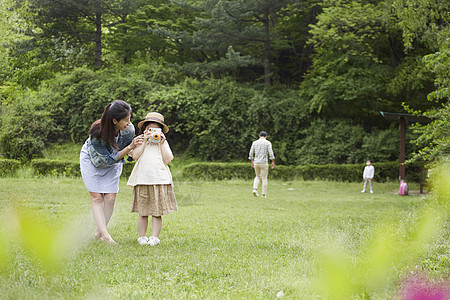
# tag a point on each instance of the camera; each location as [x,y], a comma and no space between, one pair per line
[155,135]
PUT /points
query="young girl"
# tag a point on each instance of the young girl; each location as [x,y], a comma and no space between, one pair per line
[368,176]
[151,178]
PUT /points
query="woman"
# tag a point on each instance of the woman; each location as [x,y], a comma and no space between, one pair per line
[101,158]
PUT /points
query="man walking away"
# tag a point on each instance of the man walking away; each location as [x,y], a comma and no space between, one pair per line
[260,151]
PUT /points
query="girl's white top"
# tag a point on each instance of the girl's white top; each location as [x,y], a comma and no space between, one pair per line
[150,168]
[368,172]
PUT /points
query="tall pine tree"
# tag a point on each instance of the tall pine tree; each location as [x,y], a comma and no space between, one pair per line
[246,25]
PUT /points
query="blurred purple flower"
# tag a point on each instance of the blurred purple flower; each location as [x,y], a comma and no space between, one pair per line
[417,287]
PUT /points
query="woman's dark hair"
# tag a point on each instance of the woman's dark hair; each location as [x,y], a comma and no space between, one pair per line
[141,131]
[104,128]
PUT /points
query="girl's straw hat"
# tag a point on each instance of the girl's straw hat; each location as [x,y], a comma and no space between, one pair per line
[154,117]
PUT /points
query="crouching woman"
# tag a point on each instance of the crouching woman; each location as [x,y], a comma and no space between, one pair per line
[101,159]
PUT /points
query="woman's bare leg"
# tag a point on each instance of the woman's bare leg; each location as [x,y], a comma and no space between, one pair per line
[98,213]
[108,205]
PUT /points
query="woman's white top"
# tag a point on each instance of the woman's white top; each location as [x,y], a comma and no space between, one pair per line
[150,168]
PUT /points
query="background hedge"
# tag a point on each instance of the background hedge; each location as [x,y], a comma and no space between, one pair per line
[55,167]
[386,171]
[351,172]
[8,167]
[67,168]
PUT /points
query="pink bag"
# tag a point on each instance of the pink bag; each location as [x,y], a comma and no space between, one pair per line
[403,190]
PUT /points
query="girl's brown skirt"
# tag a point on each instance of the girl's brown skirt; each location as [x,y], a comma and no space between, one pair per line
[154,200]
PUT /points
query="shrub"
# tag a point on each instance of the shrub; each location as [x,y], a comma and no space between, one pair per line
[210,119]
[382,145]
[386,171]
[281,172]
[330,141]
[218,119]
[80,97]
[8,167]
[352,173]
[55,167]
[26,125]
[67,168]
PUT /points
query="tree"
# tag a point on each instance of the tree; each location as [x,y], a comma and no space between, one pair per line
[358,66]
[79,23]
[247,25]
[12,30]
[349,69]
[152,30]
[291,51]
[428,21]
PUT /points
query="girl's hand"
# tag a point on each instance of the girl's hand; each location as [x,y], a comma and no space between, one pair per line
[163,138]
[147,134]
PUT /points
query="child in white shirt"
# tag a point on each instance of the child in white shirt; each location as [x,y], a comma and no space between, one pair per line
[151,178]
[368,173]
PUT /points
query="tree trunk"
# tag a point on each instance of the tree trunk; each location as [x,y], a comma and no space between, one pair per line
[98,40]
[267,78]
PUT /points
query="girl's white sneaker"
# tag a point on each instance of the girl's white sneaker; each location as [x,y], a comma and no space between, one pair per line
[142,240]
[153,241]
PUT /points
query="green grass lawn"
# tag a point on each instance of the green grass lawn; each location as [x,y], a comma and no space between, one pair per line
[222,242]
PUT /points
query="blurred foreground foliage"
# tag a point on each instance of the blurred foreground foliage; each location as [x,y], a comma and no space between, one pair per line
[393,252]
[48,245]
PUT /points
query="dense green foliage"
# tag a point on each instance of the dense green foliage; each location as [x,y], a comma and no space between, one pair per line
[8,167]
[427,22]
[27,125]
[208,119]
[315,74]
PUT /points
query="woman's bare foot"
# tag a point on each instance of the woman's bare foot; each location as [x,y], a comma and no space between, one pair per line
[104,239]
[108,240]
